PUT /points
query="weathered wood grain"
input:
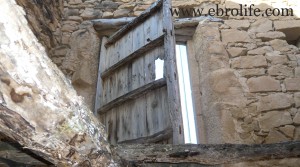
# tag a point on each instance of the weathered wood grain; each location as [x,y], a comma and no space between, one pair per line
[133,94]
[147,13]
[171,75]
[156,42]
[138,154]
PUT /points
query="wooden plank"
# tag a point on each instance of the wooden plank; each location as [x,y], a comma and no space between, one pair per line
[171,76]
[218,154]
[157,42]
[157,111]
[133,94]
[99,89]
[119,34]
[160,136]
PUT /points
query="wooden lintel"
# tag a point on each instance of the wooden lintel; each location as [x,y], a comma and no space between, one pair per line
[137,154]
[147,13]
[160,136]
[133,94]
[151,45]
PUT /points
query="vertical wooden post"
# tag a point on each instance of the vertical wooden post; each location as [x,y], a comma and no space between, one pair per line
[171,75]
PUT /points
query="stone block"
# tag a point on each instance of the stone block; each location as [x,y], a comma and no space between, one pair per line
[280,59]
[263,84]
[273,119]
[276,137]
[235,36]
[281,70]
[107,15]
[267,36]
[297,72]
[235,51]
[261,25]
[296,119]
[90,13]
[249,62]
[288,130]
[252,72]
[292,84]
[261,50]
[238,24]
[82,76]
[275,101]
[280,45]
[297,99]
[121,13]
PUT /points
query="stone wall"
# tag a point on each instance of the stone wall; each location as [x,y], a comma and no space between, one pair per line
[248,75]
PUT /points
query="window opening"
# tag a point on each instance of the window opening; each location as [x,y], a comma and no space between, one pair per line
[187,109]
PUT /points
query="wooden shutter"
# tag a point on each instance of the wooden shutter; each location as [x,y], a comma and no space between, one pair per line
[134,107]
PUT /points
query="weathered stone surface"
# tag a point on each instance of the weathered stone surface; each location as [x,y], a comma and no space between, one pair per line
[292,84]
[260,51]
[252,72]
[272,119]
[275,101]
[90,13]
[261,25]
[267,36]
[235,36]
[281,70]
[75,2]
[75,18]
[238,24]
[297,72]
[275,137]
[107,15]
[82,76]
[288,130]
[121,13]
[249,62]
[263,84]
[280,59]
[290,27]
[296,119]
[108,5]
[297,99]
[235,51]
[280,45]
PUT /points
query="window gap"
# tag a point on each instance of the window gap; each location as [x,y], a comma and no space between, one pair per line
[188,116]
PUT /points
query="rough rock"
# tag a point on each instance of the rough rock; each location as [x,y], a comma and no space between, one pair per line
[280,45]
[297,99]
[263,84]
[267,36]
[249,62]
[82,76]
[280,59]
[238,24]
[260,51]
[261,25]
[272,119]
[90,13]
[288,130]
[275,101]
[276,137]
[235,36]
[292,84]
[121,13]
[296,119]
[281,70]
[252,72]
[235,51]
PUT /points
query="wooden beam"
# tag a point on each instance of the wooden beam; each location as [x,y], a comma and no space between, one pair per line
[171,75]
[133,94]
[138,154]
[147,13]
[160,136]
[146,48]
[107,27]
